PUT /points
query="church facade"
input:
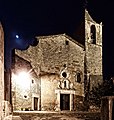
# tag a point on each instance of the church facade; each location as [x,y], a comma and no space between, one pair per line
[61,70]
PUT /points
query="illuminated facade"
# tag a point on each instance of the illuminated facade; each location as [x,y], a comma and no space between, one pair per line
[62,67]
[25,86]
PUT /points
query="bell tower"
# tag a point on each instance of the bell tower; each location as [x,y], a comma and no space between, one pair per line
[93,50]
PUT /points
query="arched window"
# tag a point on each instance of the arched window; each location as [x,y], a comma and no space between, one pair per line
[64,84]
[78,77]
[93,34]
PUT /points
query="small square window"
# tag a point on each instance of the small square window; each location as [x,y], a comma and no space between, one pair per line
[32,81]
[64,65]
[67,42]
[78,77]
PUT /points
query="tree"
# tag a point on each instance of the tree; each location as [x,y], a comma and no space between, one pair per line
[104,89]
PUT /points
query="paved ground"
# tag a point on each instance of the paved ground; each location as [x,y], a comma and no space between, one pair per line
[37,118]
[41,115]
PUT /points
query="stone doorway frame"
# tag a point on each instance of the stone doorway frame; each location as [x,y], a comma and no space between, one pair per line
[35,96]
[59,92]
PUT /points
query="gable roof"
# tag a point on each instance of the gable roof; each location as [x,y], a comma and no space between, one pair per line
[64,35]
[88,17]
[75,41]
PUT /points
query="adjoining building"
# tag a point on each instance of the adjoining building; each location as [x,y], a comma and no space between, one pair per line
[1,73]
[57,74]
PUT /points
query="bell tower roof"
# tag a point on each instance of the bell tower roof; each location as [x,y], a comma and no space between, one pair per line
[88,17]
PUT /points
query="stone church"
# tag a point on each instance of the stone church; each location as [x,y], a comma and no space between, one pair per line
[58,72]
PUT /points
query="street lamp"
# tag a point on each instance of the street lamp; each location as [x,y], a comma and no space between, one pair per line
[23,80]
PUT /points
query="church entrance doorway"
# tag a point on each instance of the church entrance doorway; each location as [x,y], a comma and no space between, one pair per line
[65,101]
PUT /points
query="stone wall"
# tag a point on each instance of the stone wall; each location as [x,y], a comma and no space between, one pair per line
[48,97]
[23,90]
[49,58]
[93,51]
[1,71]
[94,64]
[94,59]
[52,53]
[57,53]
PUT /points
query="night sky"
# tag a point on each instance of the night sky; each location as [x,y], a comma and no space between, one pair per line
[30,18]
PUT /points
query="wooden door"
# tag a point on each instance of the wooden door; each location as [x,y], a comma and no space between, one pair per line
[35,103]
[65,102]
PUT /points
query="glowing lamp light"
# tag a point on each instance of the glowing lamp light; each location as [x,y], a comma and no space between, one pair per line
[23,80]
